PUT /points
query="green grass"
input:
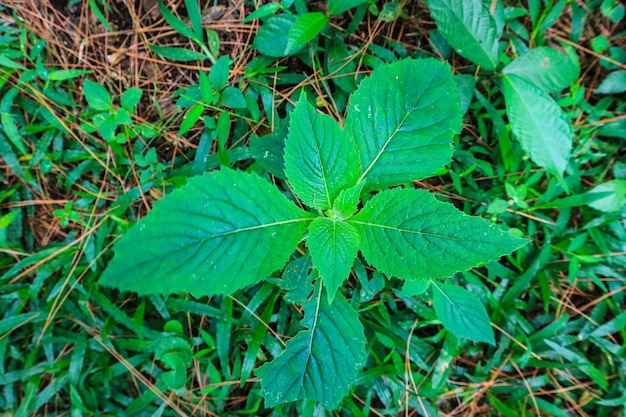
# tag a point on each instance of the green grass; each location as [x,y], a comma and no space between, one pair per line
[76,171]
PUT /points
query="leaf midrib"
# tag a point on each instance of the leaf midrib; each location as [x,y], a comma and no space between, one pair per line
[398,229]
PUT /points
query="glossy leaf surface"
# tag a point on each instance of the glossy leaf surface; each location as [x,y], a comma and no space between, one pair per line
[221,232]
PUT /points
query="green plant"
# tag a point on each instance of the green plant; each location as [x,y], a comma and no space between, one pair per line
[228,229]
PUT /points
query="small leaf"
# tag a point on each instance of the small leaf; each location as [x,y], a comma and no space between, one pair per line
[233,97]
[469,28]
[614,83]
[195,16]
[546,68]
[263,11]
[62,75]
[178,54]
[221,232]
[131,98]
[320,157]
[615,200]
[320,363]
[414,288]
[333,245]
[461,313]
[538,123]
[408,234]
[219,73]
[271,39]
[97,96]
[304,29]
[347,202]
[191,118]
[403,118]
[336,7]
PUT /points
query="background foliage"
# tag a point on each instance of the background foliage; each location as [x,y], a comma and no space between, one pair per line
[106,106]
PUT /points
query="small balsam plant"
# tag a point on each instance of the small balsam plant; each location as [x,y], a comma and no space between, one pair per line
[229,229]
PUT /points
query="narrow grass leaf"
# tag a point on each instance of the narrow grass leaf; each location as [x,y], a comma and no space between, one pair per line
[469,28]
[221,232]
[178,54]
[177,24]
[403,118]
[538,123]
[303,30]
[333,244]
[195,16]
[320,363]
[408,234]
[263,11]
[320,157]
[63,75]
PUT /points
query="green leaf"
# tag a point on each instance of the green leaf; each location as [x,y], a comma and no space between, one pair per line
[408,234]
[271,39]
[219,73]
[178,54]
[177,24]
[221,232]
[305,28]
[469,28]
[403,118]
[320,363]
[62,75]
[263,11]
[614,83]
[347,202]
[614,201]
[538,123]
[461,313]
[336,7]
[97,96]
[191,118]
[333,244]
[413,288]
[6,62]
[195,16]
[233,97]
[131,98]
[546,68]
[320,157]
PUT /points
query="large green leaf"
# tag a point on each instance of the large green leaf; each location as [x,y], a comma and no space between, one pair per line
[545,67]
[538,123]
[409,234]
[403,118]
[320,157]
[320,363]
[469,28]
[221,232]
[333,244]
[462,313]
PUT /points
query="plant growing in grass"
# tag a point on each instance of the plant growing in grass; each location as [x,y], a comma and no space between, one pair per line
[229,229]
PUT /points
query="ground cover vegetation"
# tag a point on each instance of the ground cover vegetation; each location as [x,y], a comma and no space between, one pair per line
[375,123]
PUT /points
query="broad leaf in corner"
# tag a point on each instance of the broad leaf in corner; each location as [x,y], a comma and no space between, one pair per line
[320,363]
[219,233]
[538,123]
